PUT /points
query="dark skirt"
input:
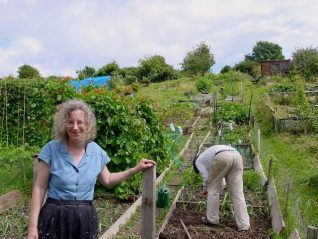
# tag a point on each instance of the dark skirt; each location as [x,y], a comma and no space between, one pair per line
[61,219]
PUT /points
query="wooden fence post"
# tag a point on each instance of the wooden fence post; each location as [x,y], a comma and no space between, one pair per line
[148,209]
[278,223]
[311,232]
[259,142]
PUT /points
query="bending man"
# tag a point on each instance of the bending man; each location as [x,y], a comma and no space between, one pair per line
[215,164]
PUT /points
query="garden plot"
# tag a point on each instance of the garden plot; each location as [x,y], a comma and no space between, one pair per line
[186,218]
[295,112]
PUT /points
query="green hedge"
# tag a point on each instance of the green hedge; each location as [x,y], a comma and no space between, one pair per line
[127,128]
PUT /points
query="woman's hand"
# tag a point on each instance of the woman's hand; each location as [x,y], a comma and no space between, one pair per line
[144,164]
[32,233]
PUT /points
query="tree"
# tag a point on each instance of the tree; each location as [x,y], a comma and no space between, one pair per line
[108,69]
[264,50]
[86,72]
[305,62]
[249,67]
[27,71]
[225,69]
[198,61]
[155,69]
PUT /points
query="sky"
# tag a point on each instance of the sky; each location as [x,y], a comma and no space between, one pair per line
[60,37]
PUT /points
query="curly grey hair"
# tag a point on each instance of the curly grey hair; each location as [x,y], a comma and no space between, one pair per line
[61,118]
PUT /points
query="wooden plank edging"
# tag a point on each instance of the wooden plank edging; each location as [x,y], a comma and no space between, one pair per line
[278,223]
[114,229]
[9,199]
[258,168]
[312,232]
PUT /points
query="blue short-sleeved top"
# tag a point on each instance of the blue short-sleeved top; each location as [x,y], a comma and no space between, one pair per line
[68,181]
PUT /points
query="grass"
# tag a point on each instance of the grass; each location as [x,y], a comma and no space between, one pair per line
[169,92]
[294,165]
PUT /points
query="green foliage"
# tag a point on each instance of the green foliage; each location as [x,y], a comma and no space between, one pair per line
[16,168]
[251,181]
[199,61]
[233,112]
[128,129]
[27,71]
[249,67]
[305,62]
[155,69]
[28,107]
[129,74]
[278,87]
[300,101]
[107,69]
[86,72]
[231,76]
[264,50]
[203,85]
[190,178]
[225,69]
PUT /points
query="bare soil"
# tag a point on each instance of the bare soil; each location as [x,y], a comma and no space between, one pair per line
[191,214]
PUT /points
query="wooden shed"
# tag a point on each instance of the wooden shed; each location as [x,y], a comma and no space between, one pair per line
[274,67]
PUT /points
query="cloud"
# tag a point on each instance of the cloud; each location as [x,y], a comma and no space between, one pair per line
[62,37]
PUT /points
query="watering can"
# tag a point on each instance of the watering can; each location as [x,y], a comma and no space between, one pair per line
[163,197]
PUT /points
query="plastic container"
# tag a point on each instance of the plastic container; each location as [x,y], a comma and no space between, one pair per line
[163,197]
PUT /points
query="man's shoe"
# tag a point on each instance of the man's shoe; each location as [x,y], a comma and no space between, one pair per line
[205,221]
[244,229]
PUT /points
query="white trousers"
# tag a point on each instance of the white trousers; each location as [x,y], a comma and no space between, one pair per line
[228,165]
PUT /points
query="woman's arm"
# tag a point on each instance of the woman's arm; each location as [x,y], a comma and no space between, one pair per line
[110,179]
[39,190]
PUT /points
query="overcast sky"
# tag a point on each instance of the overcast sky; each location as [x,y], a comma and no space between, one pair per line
[59,37]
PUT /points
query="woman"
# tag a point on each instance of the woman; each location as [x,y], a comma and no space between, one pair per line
[68,169]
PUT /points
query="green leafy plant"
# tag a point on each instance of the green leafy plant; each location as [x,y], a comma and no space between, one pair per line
[251,181]
[203,85]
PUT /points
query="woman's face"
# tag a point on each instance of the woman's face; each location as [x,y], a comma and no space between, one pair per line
[76,126]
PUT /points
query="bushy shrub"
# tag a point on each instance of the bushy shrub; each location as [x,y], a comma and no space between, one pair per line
[155,69]
[232,76]
[249,67]
[203,85]
[305,62]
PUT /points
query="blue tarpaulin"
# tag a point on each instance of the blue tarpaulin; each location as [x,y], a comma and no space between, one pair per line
[97,81]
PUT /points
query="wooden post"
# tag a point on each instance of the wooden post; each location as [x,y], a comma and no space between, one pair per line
[148,209]
[259,142]
[278,223]
[185,229]
[250,110]
[311,232]
[294,234]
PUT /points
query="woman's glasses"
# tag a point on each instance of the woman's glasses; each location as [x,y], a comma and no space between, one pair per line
[71,124]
